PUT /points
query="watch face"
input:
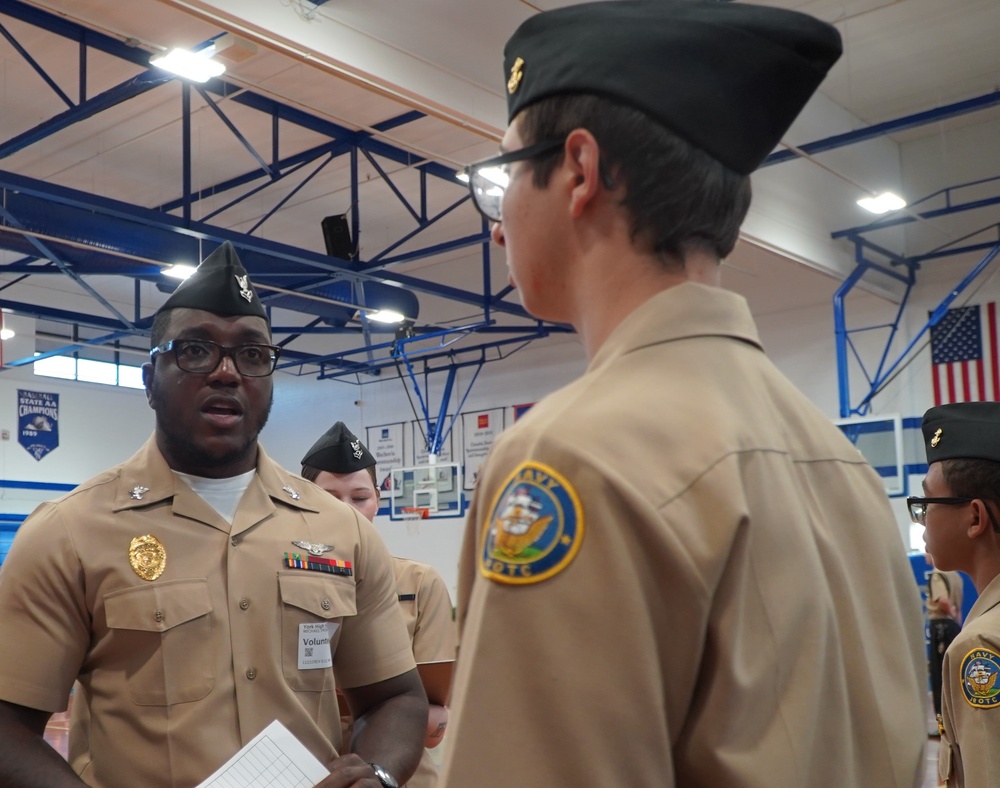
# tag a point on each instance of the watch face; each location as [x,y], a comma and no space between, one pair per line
[384,777]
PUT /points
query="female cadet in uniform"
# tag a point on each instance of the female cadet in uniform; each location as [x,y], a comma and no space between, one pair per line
[342,465]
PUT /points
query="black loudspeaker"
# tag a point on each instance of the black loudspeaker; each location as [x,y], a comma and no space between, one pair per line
[337,234]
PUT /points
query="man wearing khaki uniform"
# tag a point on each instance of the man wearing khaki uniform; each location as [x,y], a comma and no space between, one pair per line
[198,591]
[676,570]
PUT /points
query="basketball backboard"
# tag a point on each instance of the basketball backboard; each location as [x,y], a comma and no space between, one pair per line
[880,441]
[436,488]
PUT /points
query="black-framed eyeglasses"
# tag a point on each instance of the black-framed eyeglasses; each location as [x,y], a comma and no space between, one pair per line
[488,178]
[202,356]
[918,508]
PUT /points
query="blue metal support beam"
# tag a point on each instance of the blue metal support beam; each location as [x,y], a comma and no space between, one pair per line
[35,65]
[235,131]
[129,89]
[888,127]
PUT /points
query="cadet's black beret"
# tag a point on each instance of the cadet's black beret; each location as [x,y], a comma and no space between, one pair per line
[962,431]
[339,451]
[728,78]
[220,285]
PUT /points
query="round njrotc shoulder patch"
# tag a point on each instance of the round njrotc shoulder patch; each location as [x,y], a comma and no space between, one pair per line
[978,675]
[535,528]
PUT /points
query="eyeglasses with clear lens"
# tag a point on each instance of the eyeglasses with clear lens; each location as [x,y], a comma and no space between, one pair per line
[918,506]
[488,179]
[202,356]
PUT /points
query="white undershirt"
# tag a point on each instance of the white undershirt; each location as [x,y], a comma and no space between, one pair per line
[223,495]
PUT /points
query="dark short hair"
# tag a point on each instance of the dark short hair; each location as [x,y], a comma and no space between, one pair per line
[972,478]
[678,198]
[311,473]
[158,331]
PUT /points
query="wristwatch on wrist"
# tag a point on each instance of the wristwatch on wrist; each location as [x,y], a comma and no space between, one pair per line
[387,780]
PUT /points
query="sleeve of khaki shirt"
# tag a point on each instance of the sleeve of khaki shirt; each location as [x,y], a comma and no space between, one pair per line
[374,644]
[44,621]
[434,638]
[533,658]
[974,732]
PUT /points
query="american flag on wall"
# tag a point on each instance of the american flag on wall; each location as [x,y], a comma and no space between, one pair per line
[964,364]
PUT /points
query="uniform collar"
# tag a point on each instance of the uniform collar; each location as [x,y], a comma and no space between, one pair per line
[987,600]
[680,312]
[147,479]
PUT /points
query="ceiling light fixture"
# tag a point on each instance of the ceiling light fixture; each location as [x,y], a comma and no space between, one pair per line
[179,271]
[385,316]
[882,203]
[196,66]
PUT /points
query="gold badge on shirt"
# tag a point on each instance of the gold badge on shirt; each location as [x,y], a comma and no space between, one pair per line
[535,529]
[147,557]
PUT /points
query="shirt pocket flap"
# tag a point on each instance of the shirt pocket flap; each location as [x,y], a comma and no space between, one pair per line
[323,597]
[159,607]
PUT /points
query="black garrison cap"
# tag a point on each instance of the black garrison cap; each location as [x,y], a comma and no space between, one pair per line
[729,78]
[220,285]
[339,451]
[962,431]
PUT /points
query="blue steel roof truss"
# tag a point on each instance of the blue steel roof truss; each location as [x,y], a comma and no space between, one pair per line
[905,268]
[86,234]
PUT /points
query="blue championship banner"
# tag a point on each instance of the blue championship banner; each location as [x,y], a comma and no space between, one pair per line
[38,422]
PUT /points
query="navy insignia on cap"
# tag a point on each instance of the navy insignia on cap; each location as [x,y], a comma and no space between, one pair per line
[937,438]
[220,285]
[313,548]
[978,675]
[516,74]
[244,283]
[535,529]
[339,451]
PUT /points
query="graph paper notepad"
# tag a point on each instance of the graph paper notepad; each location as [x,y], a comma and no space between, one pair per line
[273,759]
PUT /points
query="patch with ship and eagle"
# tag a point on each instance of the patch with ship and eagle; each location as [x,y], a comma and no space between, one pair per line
[535,528]
[978,675]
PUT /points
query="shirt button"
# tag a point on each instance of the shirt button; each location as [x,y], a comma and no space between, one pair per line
[326,604]
[251,673]
[244,603]
[158,616]
[234,541]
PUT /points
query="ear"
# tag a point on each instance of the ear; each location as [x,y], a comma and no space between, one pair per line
[148,371]
[582,160]
[980,522]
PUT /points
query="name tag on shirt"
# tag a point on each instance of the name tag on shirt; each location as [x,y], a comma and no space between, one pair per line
[314,645]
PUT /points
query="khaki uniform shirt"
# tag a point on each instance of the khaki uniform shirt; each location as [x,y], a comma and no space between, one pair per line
[941,586]
[677,571]
[426,606]
[176,674]
[970,698]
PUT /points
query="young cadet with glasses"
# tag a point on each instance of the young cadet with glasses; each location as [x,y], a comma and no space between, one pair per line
[676,570]
[960,512]
[199,591]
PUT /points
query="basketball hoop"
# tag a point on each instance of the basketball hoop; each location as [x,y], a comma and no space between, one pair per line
[412,515]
